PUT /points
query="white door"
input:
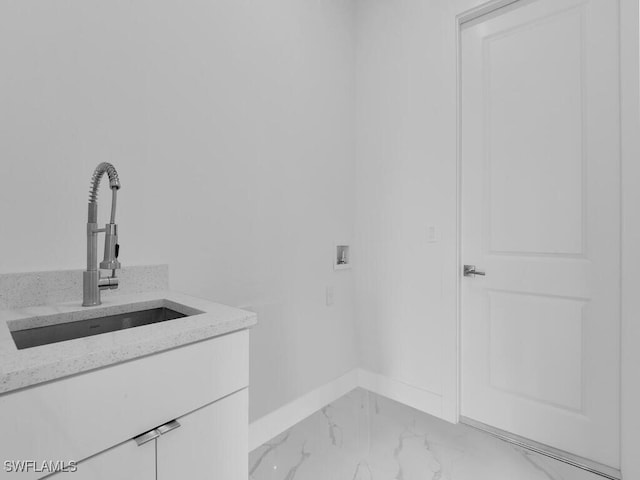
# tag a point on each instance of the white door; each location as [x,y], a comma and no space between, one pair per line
[541,216]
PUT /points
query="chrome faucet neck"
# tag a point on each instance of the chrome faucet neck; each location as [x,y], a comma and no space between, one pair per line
[92,281]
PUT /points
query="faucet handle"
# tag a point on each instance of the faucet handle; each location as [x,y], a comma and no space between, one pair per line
[110,261]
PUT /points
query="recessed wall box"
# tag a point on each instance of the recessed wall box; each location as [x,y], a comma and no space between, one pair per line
[342,258]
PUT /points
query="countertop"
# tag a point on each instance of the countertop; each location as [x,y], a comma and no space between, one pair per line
[31,366]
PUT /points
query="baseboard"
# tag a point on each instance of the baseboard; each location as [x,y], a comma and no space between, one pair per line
[280,420]
[418,398]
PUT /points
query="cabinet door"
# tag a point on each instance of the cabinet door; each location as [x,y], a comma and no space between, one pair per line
[127,461]
[212,442]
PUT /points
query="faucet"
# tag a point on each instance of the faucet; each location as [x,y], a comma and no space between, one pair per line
[92,280]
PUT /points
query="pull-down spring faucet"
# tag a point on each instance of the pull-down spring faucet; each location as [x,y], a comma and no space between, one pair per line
[92,282]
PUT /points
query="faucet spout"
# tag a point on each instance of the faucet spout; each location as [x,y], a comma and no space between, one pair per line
[93,283]
[101,169]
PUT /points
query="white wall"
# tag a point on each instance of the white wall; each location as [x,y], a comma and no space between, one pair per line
[231,124]
[406,182]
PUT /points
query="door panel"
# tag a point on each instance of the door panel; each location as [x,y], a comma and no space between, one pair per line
[523,352]
[541,215]
[535,164]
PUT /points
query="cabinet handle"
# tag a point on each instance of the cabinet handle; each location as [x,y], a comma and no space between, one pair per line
[167,427]
[156,432]
[147,436]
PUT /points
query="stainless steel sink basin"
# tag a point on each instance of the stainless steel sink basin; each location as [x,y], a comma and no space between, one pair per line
[33,337]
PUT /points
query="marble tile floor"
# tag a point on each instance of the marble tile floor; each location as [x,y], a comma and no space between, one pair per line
[363,436]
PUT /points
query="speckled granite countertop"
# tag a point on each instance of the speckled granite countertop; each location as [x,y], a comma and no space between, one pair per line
[30,366]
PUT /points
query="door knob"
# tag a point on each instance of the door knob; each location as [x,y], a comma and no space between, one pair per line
[470,271]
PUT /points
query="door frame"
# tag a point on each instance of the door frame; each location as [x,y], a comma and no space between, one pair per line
[630,219]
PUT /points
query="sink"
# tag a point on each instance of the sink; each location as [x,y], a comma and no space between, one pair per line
[60,332]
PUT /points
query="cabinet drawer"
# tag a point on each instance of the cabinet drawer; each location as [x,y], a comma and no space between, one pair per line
[76,417]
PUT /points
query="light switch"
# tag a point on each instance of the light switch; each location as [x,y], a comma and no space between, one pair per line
[330,295]
[432,234]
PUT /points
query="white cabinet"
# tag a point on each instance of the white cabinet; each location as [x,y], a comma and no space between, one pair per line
[211,442]
[203,385]
[127,461]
